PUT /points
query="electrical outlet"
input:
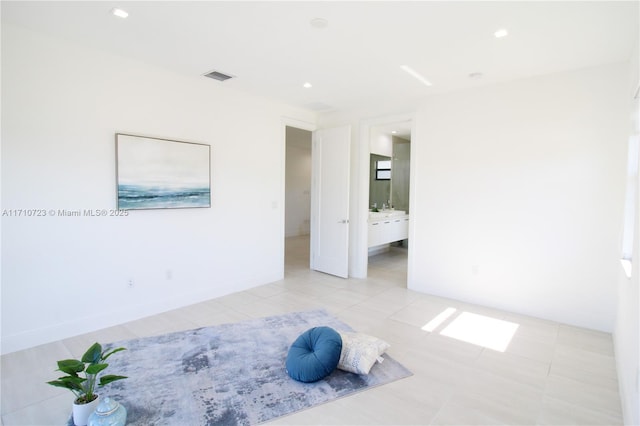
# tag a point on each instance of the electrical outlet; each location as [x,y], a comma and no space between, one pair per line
[130,282]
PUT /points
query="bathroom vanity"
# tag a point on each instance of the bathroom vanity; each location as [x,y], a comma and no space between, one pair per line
[387,226]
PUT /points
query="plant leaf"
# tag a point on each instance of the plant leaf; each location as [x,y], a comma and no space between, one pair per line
[93,354]
[96,368]
[110,378]
[67,384]
[72,379]
[109,353]
[71,366]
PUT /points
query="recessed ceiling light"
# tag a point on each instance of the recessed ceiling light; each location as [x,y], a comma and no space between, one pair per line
[319,23]
[393,132]
[501,33]
[119,13]
[415,74]
[307,85]
[476,75]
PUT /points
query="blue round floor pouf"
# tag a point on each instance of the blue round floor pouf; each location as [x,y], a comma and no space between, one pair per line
[314,354]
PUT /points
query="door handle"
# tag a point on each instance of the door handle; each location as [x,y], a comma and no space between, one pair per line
[343,221]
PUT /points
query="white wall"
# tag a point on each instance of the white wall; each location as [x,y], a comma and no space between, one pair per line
[62,105]
[626,334]
[524,182]
[298,182]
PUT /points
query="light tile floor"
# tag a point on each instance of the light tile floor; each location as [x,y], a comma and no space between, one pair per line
[550,373]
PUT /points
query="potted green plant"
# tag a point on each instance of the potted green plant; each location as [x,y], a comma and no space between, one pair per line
[92,363]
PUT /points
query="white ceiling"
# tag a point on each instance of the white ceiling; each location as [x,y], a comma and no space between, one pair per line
[273,49]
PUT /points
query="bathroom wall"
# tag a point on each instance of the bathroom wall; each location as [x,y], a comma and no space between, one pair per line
[381,143]
[400,173]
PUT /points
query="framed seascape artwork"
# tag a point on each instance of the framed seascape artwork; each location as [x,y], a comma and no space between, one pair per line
[154,173]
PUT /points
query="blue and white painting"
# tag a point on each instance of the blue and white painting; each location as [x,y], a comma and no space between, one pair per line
[162,174]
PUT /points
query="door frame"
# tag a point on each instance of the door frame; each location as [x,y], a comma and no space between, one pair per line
[360,261]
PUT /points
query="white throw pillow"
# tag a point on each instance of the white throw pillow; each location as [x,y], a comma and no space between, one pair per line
[360,352]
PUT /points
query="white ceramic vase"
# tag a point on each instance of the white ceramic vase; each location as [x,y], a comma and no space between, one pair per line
[81,412]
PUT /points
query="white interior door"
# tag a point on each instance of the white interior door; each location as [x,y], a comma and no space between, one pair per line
[330,201]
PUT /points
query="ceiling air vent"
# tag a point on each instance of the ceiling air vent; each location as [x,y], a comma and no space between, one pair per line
[218,76]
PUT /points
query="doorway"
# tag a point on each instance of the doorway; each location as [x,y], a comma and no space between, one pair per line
[386,147]
[328,221]
[298,163]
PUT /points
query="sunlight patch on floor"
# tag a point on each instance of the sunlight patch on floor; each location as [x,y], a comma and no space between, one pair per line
[481,330]
[439,319]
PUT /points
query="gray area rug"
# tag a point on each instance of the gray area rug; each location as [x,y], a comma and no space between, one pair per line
[230,374]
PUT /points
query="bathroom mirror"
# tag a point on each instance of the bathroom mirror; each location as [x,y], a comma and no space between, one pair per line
[379,180]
